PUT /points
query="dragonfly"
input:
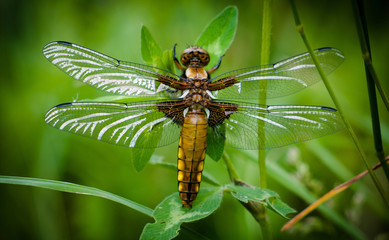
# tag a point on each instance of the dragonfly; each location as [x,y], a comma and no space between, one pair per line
[201,112]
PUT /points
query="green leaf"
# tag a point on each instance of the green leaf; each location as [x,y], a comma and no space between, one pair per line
[206,177]
[167,62]
[75,188]
[141,156]
[266,197]
[280,207]
[217,37]
[215,142]
[151,52]
[169,214]
[245,194]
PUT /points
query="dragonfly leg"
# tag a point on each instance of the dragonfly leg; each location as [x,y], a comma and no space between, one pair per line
[214,68]
[176,60]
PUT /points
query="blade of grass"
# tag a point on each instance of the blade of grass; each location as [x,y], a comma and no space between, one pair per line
[300,30]
[75,188]
[80,189]
[371,78]
[264,59]
[325,197]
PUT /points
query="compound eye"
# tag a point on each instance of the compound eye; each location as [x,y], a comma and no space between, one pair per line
[184,58]
[204,59]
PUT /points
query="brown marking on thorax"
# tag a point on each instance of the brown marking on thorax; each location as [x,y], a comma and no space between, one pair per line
[196,73]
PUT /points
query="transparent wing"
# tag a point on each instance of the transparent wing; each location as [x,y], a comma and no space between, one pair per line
[279,79]
[281,125]
[106,73]
[130,125]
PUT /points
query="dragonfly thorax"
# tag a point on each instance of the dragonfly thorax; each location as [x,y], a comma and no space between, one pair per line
[197,95]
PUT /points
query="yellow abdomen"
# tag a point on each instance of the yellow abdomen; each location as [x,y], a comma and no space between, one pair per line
[191,154]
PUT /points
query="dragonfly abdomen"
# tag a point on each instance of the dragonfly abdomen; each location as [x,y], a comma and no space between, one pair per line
[191,154]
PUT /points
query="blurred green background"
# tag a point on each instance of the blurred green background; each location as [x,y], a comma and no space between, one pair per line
[30,85]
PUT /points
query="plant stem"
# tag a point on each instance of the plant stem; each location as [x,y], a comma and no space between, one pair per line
[371,78]
[262,216]
[360,21]
[264,59]
[230,167]
[256,210]
[300,29]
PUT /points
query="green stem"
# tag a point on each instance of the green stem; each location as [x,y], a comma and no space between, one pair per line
[266,32]
[371,78]
[361,25]
[300,29]
[262,216]
[257,210]
[264,59]
[230,167]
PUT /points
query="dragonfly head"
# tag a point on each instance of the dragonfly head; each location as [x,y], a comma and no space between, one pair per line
[195,57]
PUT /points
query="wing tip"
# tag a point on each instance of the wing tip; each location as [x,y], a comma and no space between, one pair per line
[324,49]
[329,109]
[69,104]
[57,42]
[337,51]
[64,43]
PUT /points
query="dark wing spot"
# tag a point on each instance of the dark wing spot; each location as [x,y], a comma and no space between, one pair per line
[329,109]
[64,105]
[65,43]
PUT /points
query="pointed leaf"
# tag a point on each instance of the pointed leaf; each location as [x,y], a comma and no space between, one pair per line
[169,214]
[280,207]
[256,194]
[266,197]
[166,61]
[149,47]
[215,142]
[219,34]
[141,156]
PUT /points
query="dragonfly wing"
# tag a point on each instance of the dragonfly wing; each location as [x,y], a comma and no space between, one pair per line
[279,79]
[130,125]
[106,73]
[253,126]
